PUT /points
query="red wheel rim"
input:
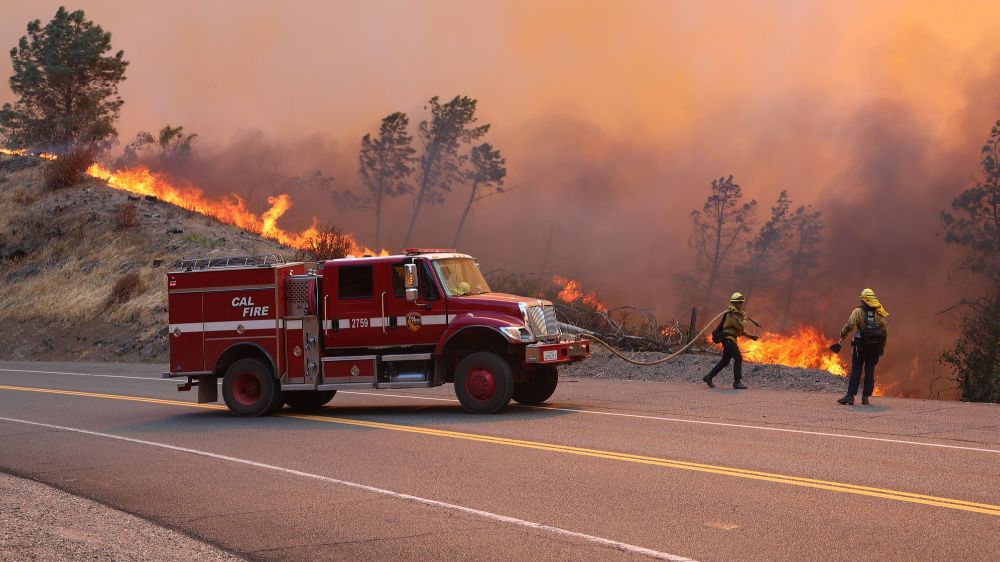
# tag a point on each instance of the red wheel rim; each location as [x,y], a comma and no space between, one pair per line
[480,384]
[246,388]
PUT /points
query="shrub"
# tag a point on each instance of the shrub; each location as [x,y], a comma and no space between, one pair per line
[126,288]
[70,169]
[127,216]
[328,244]
[21,197]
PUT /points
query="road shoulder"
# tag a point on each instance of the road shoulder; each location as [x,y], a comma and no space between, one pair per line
[38,522]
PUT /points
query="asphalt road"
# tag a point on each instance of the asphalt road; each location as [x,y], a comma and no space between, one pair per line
[609,470]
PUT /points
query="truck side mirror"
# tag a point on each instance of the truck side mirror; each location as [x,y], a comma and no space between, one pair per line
[411,295]
[410,278]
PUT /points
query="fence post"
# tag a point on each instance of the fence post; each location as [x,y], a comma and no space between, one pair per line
[693,329]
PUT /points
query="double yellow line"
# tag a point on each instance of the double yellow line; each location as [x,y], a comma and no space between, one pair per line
[962,505]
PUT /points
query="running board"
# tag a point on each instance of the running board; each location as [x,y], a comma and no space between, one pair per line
[420,384]
[345,385]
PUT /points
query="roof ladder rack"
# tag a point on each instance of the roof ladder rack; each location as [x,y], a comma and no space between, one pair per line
[262,260]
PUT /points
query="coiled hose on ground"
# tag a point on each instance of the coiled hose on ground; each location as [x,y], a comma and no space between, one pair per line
[592,336]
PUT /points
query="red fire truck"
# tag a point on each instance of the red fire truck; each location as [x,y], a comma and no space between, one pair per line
[281,333]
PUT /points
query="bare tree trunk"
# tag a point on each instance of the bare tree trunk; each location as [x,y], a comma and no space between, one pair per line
[424,183]
[716,259]
[378,222]
[789,294]
[465,214]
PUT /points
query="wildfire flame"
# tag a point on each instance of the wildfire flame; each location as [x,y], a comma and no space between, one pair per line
[230,209]
[806,347]
[571,293]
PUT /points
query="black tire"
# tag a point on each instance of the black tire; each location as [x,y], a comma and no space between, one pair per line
[538,387]
[484,382]
[249,389]
[308,400]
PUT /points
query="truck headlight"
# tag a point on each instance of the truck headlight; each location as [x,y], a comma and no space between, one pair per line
[517,334]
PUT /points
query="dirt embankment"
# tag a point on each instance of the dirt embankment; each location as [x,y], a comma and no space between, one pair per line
[62,253]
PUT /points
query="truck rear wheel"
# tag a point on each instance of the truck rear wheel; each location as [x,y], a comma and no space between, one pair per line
[307,400]
[539,387]
[484,382]
[249,389]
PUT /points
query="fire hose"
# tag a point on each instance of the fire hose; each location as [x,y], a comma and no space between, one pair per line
[592,336]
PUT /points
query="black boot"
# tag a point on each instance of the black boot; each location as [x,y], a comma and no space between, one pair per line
[739,386]
[864,400]
[847,400]
[708,381]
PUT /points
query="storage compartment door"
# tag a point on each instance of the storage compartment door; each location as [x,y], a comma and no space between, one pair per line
[187,333]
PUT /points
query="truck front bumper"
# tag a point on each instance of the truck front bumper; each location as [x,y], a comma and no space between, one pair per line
[556,353]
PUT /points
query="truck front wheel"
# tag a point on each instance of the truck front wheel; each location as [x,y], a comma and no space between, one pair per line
[249,389]
[304,401]
[539,387]
[484,382]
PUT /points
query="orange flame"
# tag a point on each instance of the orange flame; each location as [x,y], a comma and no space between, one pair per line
[572,293]
[230,209]
[9,152]
[806,347]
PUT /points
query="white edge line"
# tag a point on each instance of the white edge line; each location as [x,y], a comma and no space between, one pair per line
[426,501]
[596,413]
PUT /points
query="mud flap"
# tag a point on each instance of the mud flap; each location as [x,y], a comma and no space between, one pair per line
[208,389]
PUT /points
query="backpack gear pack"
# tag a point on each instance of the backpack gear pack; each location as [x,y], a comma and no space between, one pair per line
[872,334]
[719,334]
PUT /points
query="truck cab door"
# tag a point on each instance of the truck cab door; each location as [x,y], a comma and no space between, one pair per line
[420,322]
[353,297]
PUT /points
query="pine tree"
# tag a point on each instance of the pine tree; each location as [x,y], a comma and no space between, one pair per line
[67,87]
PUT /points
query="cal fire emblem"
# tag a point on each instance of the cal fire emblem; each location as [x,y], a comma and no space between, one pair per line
[413,321]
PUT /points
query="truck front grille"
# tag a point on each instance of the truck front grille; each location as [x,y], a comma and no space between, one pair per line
[542,321]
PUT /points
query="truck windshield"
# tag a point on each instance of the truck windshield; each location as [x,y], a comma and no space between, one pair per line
[461,276]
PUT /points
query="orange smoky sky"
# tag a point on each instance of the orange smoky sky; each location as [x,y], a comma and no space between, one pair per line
[613,116]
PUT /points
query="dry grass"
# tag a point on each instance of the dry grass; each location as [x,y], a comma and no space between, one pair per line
[77,252]
[127,216]
[69,170]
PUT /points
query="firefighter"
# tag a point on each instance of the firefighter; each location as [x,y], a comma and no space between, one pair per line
[734,325]
[870,323]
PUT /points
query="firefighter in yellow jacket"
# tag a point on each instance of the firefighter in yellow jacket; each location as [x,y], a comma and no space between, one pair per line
[734,325]
[870,325]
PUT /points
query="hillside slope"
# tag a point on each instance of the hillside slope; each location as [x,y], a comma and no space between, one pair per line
[63,251]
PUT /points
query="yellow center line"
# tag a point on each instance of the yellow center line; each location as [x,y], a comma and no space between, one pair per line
[896,495]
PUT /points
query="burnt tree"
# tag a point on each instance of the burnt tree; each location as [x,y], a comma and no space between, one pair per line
[386,163]
[765,247]
[974,224]
[722,221]
[803,254]
[486,178]
[450,128]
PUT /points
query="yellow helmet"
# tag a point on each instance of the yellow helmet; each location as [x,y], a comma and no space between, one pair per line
[868,293]
[737,297]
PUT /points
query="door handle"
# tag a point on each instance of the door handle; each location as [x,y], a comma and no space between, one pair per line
[384,329]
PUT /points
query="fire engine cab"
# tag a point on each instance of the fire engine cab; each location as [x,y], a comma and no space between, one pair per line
[293,333]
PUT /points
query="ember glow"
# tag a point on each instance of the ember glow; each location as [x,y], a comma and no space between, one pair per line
[807,347]
[571,293]
[230,209]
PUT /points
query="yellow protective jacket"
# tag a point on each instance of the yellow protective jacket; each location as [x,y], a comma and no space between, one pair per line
[735,324]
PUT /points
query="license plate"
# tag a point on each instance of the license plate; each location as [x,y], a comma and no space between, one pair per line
[550,355]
